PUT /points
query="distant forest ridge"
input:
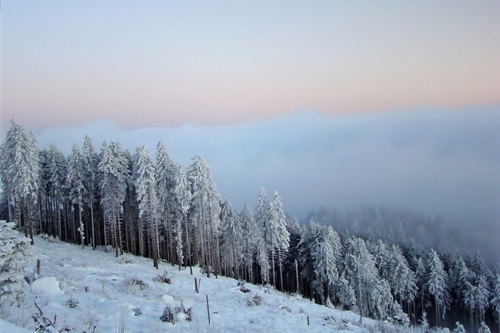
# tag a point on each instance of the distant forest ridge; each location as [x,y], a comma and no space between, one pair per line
[405,227]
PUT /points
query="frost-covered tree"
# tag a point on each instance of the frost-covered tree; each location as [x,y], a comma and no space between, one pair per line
[400,277]
[205,214]
[77,191]
[57,169]
[306,245]
[291,261]
[15,252]
[231,239]
[113,166]
[89,169]
[326,251]
[360,271]
[380,300]
[166,171]
[279,235]
[252,236]
[495,299]
[19,160]
[345,293]
[183,196]
[436,284]
[145,185]
[262,219]
[382,255]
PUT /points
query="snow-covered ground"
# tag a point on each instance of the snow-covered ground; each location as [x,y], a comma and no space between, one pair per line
[126,297]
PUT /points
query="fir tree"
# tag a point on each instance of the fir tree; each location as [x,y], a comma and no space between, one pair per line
[436,284]
[144,179]
[76,186]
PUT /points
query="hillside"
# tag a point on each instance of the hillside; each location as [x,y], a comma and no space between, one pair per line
[124,296]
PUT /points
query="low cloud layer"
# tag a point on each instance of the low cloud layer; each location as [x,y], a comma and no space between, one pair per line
[433,161]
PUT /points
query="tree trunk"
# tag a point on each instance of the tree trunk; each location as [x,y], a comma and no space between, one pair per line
[82,237]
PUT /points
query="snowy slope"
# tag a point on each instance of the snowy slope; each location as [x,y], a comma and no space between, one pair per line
[119,305]
[11,328]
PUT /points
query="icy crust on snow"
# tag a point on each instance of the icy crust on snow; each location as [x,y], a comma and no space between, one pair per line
[85,287]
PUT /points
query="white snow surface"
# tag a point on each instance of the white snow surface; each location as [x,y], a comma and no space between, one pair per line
[6,327]
[120,306]
[46,285]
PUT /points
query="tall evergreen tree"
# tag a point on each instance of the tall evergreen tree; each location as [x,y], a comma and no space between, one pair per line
[76,186]
[183,196]
[205,214]
[361,273]
[89,169]
[436,284]
[165,171]
[262,218]
[251,239]
[495,299]
[113,166]
[20,158]
[231,239]
[279,235]
[144,179]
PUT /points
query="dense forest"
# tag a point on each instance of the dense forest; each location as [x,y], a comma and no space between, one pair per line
[149,206]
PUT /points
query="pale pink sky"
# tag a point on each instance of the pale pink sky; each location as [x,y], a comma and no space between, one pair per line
[144,64]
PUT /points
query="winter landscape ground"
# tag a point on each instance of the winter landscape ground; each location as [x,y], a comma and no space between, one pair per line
[125,295]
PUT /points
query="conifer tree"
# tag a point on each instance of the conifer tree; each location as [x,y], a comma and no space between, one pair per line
[165,171]
[252,236]
[495,299]
[262,218]
[436,284]
[20,158]
[89,166]
[76,186]
[361,273]
[144,179]
[113,166]
[183,196]
[205,214]
[279,235]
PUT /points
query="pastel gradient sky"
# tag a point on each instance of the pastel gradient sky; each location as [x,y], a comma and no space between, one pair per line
[166,63]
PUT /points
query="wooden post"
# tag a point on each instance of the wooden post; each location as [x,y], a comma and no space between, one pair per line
[87,289]
[208,310]
[196,286]
[38,266]
[307,320]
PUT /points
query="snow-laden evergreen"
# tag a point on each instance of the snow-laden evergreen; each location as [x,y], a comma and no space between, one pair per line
[205,214]
[15,252]
[165,173]
[76,189]
[145,185]
[113,166]
[436,284]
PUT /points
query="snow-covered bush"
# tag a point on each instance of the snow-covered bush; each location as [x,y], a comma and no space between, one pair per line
[163,278]
[484,328]
[173,314]
[126,259]
[50,239]
[139,283]
[73,303]
[460,328]
[255,300]
[15,251]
